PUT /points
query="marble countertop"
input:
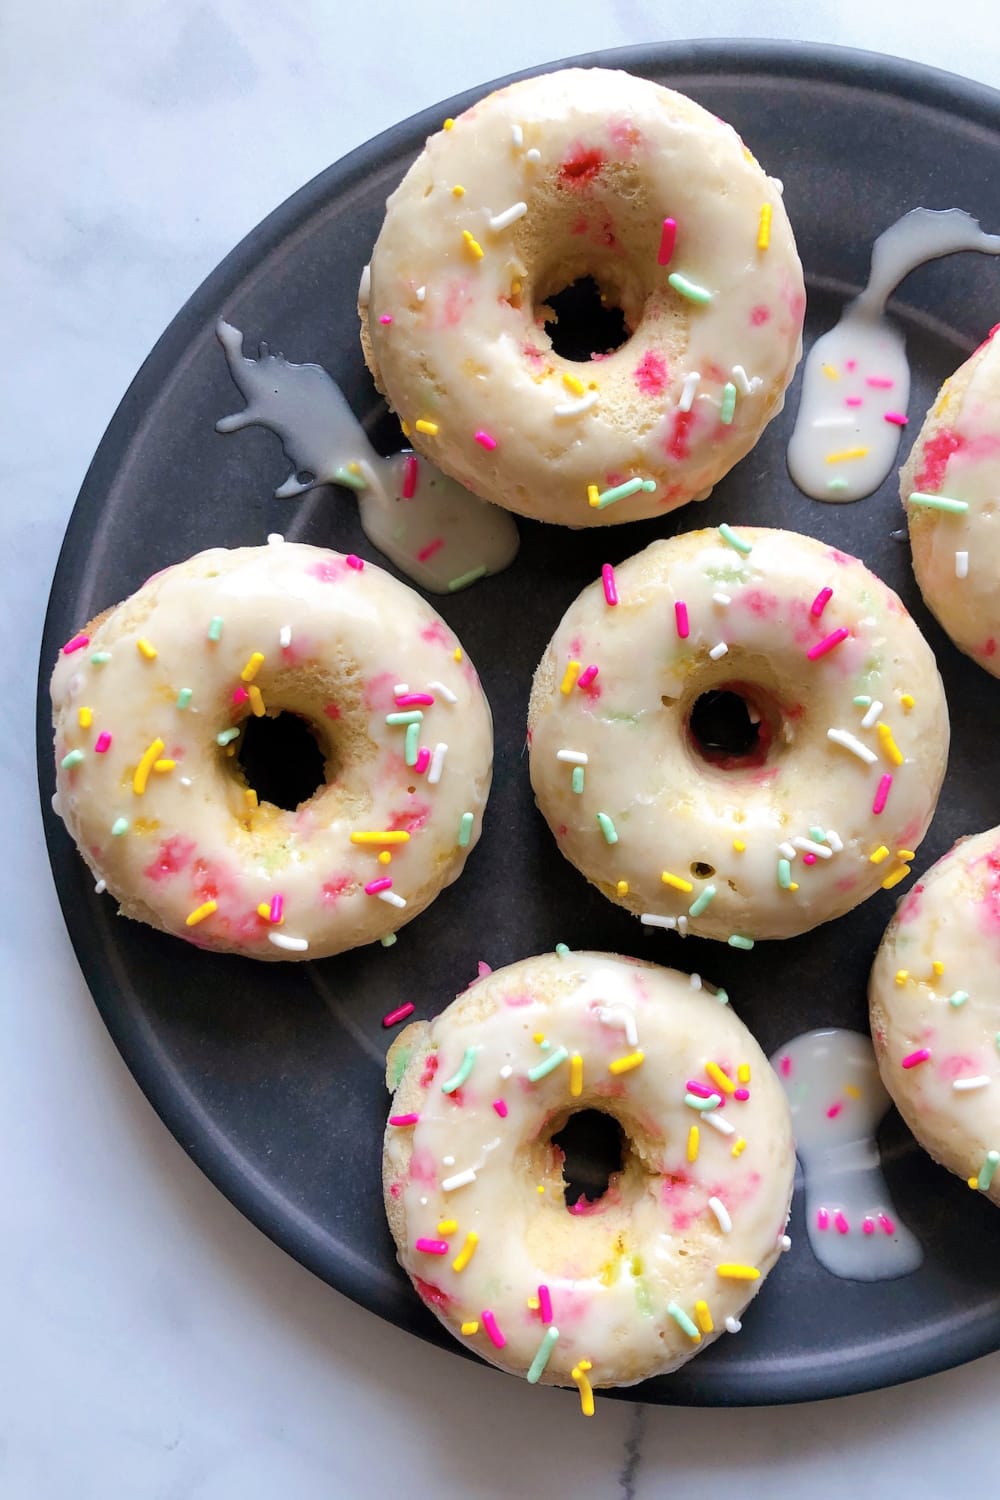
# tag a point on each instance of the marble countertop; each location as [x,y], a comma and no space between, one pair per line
[156,1345]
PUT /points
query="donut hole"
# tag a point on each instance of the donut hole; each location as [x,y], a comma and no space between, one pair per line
[593,1148]
[281,757]
[734,726]
[583,320]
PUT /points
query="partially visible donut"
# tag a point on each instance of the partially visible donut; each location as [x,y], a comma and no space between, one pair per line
[152,701]
[576,174]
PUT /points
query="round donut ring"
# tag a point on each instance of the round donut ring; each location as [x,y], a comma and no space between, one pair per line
[573,175]
[151,703]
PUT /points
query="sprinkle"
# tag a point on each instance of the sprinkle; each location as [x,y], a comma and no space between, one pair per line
[102,743]
[733,1325]
[573,757]
[579,1377]
[374,886]
[587,676]
[897,418]
[485,440]
[256,701]
[448,124]
[721,1213]
[410,467]
[431,1247]
[73,759]
[146,648]
[764,227]
[739,1145]
[677,882]
[391,899]
[695,1101]
[85,717]
[668,238]
[689,289]
[215,628]
[719,1122]
[411,743]
[100,658]
[627,1063]
[827,643]
[142,770]
[593,495]
[939,502]
[820,602]
[915,1058]
[429,429]
[608,828]
[576,409]
[737,940]
[888,745]
[743,383]
[577,780]
[622,491]
[871,717]
[474,248]
[573,384]
[734,1272]
[895,877]
[683,1322]
[810,846]
[468,1329]
[161,767]
[422,761]
[464,1069]
[346,476]
[393,836]
[119,826]
[907,701]
[576,1075]
[464,579]
[845,455]
[77,643]
[354,561]
[541,1358]
[728,408]
[729,535]
[882,794]
[902,975]
[289,944]
[785,874]
[547,1065]
[226,736]
[830,372]
[608,580]
[544,1304]
[509,216]
[621,886]
[701,901]
[958,998]
[834,840]
[467,1251]
[836,484]
[694,1136]
[681,619]
[849,742]
[986,1171]
[397,1015]
[411,1119]
[720,1077]
[490,1324]
[691,382]
[569,677]
[961,565]
[200,913]
[652,919]
[966,1085]
[719,651]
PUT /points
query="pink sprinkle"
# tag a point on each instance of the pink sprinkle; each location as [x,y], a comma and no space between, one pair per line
[490,1324]
[374,886]
[587,676]
[896,418]
[277,908]
[423,760]
[850,364]
[842,1225]
[808,859]
[854,401]
[785,1065]
[102,743]
[834,1110]
[482,969]
[403,1119]
[355,562]
[240,695]
[414,700]
[386,318]
[398,1015]
[920,1056]
[430,549]
[544,1304]
[668,238]
[501,1108]
[822,1219]
[432,1247]
[867,1225]
[879,382]
[887,1225]
[882,795]
[485,441]
[681,615]
[76,644]
[820,602]
[610,587]
[742,1095]
[827,643]
[694,1087]
[409,476]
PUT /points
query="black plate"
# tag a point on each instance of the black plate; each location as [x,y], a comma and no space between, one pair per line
[271,1076]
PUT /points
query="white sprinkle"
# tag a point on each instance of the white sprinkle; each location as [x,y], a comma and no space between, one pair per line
[573,757]
[834,840]
[733,1325]
[400,689]
[742,380]
[517,136]
[965,1085]
[533,155]
[784,1243]
[185,781]
[56,805]
[506,1070]
[682,926]
[274,538]
[822,423]
[696,981]
[100,887]
[622,1017]
[445,692]
[575,408]
[848,742]
[652,919]
[718,651]
[723,598]
[292,945]
[961,565]
[285,636]
[509,216]
[447,1161]
[716,1121]
[779,186]
[687,390]
[871,717]
[365,287]
[391,899]
[809,846]
[787,850]
[423,1202]
[460,1179]
[437,764]
[420,293]
[721,1213]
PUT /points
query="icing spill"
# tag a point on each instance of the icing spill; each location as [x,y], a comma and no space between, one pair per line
[837,1099]
[856,379]
[433,529]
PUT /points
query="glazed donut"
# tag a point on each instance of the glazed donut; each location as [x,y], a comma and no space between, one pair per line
[152,704]
[950,486]
[573,175]
[935,1016]
[636,1282]
[831,781]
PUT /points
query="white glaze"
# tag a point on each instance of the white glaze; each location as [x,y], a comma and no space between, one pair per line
[856,376]
[654,1238]
[951,918]
[614,156]
[837,1100]
[439,535]
[671,809]
[353,634]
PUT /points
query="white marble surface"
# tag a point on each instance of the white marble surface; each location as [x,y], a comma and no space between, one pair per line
[155,1345]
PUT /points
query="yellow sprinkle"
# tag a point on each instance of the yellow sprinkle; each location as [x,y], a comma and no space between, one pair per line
[677,882]
[902,975]
[200,913]
[456,655]
[405,428]
[470,1328]
[250,797]
[593,495]
[573,384]
[570,675]
[622,888]
[473,246]
[830,372]
[256,701]
[467,1251]
[142,770]
[852,1091]
[973,1182]
[743,1072]
[85,717]
[733,1271]
[515,288]
[540,1188]
[739,1146]
[895,877]
[627,1063]
[538,1036]
[252,667]
[879,855]
[264,910]
[739,846]
[534,1304]
[793,886]
[720,1078]
[354,466]
[393,836]
[907,700]
[843,455]
[145,648]
[447,126]
[888,745]
[578,1375]
[764,228]
[429,429]
[458,191]
[384,857]
[937,968]
[575,1076]
[906,855]
[694,1135]
[703,1317]
[447,1226]
[162,766]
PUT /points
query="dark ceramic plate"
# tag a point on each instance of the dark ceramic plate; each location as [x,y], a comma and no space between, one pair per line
[272,1077]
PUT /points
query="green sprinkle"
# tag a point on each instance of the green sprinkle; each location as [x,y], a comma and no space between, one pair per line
[348,478]
[412,716]
[541,1359]
[412,747]
[958,998]
[184,697]
[464,1069]
[622,491]
[939,502]
[997,1040]
[464,579]
[818,835]
[728,403]
[986,1171]
[840,483]
[862,701]
[689,289]
[400,1060]
[729,535]
[737,940]
[72,759]
[701,901]
[546,1046]
[547,1065]
[100,657]
[695,1101]
[119,826]
[577,780]
[388,940]
[608,828]
[563,952]
[465,830]
[784,874]
[722,996]
[682,1320]
[215,628]
[227,736]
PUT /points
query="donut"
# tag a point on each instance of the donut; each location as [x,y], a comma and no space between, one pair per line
[156,700]
[934,1015]
[594,180]
[738,733]
[636,1281]
[950,486]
